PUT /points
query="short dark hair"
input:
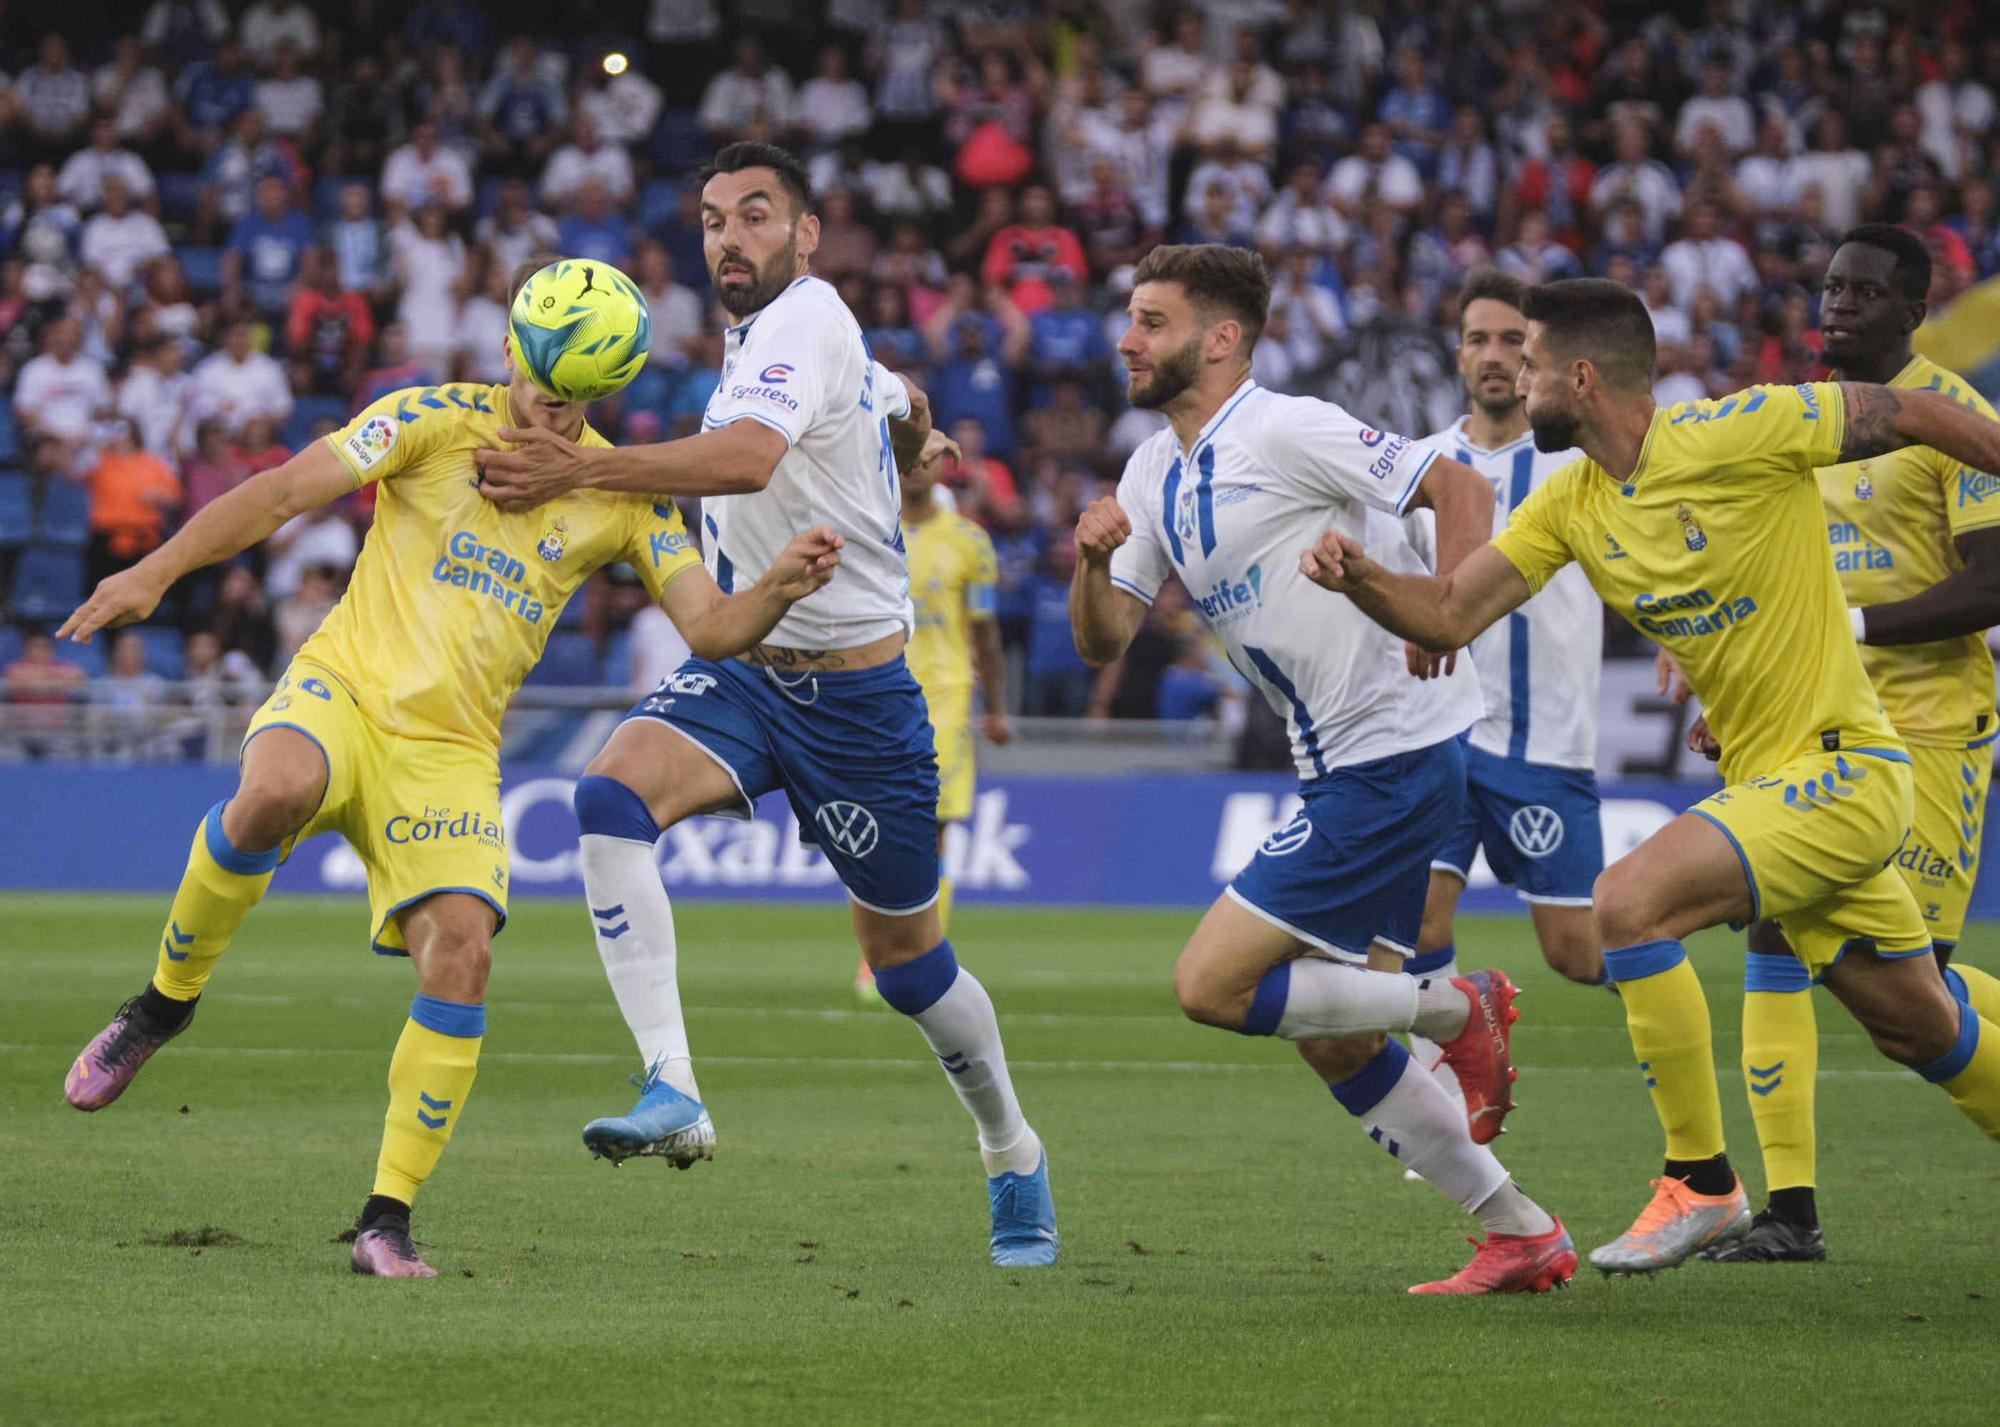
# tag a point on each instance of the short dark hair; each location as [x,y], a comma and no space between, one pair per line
[1599,320]
[1912,273]
[734,158]
[1490,284]
[1217,277]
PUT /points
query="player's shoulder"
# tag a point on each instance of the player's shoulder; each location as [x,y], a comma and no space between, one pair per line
[1148,463]
[1922,374]
[810,302]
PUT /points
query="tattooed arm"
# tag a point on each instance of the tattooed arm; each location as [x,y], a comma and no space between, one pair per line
[1880,420]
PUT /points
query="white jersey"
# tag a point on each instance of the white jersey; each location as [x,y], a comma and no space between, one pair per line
[800,367]
[1265,478]
[1538,668]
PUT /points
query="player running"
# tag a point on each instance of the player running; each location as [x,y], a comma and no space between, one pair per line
[1223,499]
[952,576]
[1530,762]
[800,429]
[1916,544]
[386,729]
[1700,524]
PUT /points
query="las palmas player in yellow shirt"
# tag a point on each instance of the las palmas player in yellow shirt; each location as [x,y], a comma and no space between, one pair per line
[386,728]
[1702,525]
[952,577]
[1915,537]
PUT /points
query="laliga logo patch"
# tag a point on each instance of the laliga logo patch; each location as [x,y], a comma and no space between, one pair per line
[775,374]
[555,539]
[848,826]
[1535,830]
[372,442]
[1289,838]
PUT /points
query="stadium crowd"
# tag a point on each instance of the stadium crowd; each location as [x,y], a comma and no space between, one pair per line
[227,228]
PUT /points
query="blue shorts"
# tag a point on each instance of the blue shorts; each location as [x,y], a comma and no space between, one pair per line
[1539,825]
[852,750]
[1353,867]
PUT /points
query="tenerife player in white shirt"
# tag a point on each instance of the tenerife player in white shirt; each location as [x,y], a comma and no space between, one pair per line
[1531,785]
[1223,499]
[798,434]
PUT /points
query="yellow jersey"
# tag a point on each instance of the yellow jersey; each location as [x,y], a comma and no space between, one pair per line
[952,577]
[1891,521]
[452,599]
[1715,547]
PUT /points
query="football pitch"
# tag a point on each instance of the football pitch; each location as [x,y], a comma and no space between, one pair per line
[1234,1251]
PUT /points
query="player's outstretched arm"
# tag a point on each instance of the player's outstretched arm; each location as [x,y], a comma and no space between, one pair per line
[1880,419]
[1438,612]
[1967,601]
[910,434]
[719,626]
[1102,617]
[1462,501]
[730,460]
[226,526]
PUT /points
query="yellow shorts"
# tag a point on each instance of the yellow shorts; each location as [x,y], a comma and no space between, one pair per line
[1940,858]
[422,814]
[951,727]
[1816,838]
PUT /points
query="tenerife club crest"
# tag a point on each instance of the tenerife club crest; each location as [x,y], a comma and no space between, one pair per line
[555,539]
[1691,531]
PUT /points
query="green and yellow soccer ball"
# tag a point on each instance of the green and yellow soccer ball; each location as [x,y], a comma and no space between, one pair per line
[581,329]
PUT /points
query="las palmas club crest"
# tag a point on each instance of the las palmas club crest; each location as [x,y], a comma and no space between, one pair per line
[555,539]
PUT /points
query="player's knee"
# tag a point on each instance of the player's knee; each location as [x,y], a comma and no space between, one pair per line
[1628,911]
[272,803]
[607,806]
[1205,997]
[457,958]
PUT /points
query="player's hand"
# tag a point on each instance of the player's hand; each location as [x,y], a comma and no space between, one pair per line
[1336,563]
[805,564]
[1101,529]
[996,728]
[1423,664]
[543,466]
[937,445]
[121,599]
[1701,741]
[1673,683]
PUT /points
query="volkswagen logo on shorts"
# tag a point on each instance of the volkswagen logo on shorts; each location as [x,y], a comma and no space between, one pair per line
[1289,838]
[1535,830]
[847,826]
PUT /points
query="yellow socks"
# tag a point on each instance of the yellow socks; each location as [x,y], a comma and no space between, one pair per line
[1970,1071]
[220,886]
[1780,1065]
[944,905]
[429,1078]
[1667,1018]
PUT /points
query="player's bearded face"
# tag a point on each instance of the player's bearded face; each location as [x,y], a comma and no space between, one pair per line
[745,284]
[1544,385]
[1166,377]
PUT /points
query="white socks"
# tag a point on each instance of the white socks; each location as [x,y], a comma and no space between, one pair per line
[1327,998]
[1429,1054]
[634,925]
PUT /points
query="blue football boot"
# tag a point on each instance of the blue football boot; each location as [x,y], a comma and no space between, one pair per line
[665,1123]
[1024,1218]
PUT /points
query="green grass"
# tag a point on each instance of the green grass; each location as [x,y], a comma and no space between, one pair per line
[1233,1251]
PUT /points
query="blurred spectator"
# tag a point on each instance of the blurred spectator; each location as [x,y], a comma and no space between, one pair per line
[1192,687]
[521,110]
[132,94]
[1839,172]
[183,31]
[214,468]
[1703,259]
[248,157]
[1374,174]
[1636,177]
[1414,111]
[482,328]
[210,95]
[1067,426]
[241,618]
[1239,106]
[594,227]
[751,99]
[165,309]
[359,247]
[119,241]
[132,494]
[329,329]
[1467,165]
[587,159]
[62,394]
[258,449]
[126,685]
[446,24]
[514,232]
[398,368]
[846,245]
[832,105]
[214,678]
[42,231]
[429,265]
[976,354]
[265,251]
[1958,112]
[624,105]
[305,607]
[269,25]
[1718,106]
[1767,183]
[1534,257]
[982,476]
[1173,70]
[906,54]
[1057,683]
[1239,175]
[81,179]
[364,120]
[1065,338]
[239,382]
[676,309]
[51,99]
[39,682]
[1557,181]
[159,398]
[424,172]
[1314,324]
[318,540]
[291,100]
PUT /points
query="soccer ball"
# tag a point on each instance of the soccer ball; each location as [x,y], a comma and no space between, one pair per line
[581,329]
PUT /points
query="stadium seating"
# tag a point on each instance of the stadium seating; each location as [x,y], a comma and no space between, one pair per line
[180,198]
[10,443]
[17,510]
[48,583]
[203,266]
[571,659]
[11,640]
[64,516]
[307,411]
[164,654]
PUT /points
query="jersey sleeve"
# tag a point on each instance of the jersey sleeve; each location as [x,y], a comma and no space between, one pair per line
[1319,448]
[393,433]
[1753,431]
[1141,565]
[982,573]
[1536,540]
[1968,494]
[892,398]
[786,371]
[659,547]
